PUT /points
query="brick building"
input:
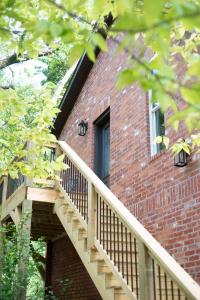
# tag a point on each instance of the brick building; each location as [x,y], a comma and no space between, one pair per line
[118,146]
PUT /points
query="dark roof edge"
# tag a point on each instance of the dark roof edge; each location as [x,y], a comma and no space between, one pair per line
[76,83]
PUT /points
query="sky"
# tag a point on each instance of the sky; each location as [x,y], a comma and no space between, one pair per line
[26,73]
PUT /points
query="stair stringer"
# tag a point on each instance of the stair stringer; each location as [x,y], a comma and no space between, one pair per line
[99,279]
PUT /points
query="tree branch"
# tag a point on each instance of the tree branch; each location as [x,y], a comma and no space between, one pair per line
[6,86]
[158,77]
[14,58]
[11,31]
[71,14]
[157,24]
[7,61]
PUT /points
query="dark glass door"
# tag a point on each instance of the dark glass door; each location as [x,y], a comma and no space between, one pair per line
[105,173]
[102,147]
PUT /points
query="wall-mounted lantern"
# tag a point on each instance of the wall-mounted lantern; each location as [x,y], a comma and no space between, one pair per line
[181,159]
[82,128]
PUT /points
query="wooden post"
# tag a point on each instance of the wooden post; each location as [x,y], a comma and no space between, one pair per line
[5,188]
[48,271]
[92,203]
[145,273]
[58,153]
[24,249]
[28,181]
[16,215]
[3,203]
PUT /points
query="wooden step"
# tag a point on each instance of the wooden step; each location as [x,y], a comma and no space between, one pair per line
[95,256]
[112,282]
[70,209]
[120,295]
[75,219]
[103,268]
[82,234]
[69,215]
[59,202]
[82,244]
[78,225]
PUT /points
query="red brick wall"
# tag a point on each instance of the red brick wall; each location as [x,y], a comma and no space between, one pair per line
[166,199]
[66,264]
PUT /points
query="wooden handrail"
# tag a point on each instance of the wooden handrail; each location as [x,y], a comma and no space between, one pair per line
[174,270]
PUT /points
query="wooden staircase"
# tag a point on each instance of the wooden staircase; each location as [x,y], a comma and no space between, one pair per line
[107,284]
[122,258]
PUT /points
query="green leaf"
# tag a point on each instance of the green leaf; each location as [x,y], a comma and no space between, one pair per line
[186,148]
[90,52]
[191,95]
[164,100]
[42,26]
[55,30]
[75,53]
[99,41]
[10,3]
[177,147]
[126,78]
[152,9]
[166,141]
[123,6]
[194,67]
[4,143]
[60,158]
[158,139]
[162,140]
[129,21]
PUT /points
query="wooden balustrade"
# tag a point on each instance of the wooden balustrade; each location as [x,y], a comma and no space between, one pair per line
[76,186]
[8,185]
[132,252]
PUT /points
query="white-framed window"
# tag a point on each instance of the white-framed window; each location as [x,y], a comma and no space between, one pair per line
[157,128]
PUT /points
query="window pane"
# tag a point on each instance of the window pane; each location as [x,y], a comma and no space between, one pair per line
[159,127]
[155,105]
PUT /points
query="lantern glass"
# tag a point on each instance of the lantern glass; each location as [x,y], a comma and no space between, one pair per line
[181,159]
[82,128]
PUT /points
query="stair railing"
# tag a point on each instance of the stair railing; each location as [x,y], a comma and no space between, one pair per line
[146,267]
[8,185]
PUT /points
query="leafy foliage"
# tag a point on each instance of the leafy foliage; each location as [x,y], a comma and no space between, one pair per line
[57,64]
[13,244]
[181,145]
[161,31]
[64,287]
[27,116]
[9,283]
